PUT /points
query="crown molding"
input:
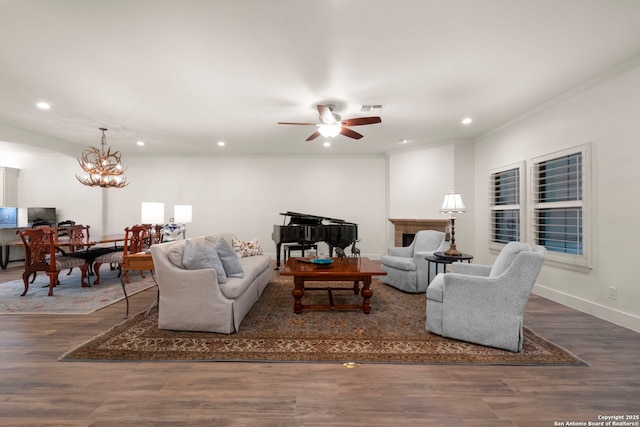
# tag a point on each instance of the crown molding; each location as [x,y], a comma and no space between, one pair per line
[588,84]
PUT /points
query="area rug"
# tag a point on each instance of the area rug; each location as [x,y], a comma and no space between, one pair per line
[68,297]
[394,332]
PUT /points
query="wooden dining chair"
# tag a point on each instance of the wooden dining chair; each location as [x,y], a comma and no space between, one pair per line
[79,237]
[136,239]
[61,227]
[56,239]
[153,234]
[40,255]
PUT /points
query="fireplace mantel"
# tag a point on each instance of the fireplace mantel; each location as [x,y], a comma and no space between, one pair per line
[412,226]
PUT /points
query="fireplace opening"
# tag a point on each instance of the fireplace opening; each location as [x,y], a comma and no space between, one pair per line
[406,229]
[407,239]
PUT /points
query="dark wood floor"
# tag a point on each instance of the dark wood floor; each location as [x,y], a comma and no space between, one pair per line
[37,390]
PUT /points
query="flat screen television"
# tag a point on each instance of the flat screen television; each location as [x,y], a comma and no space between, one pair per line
[8,217]
[41,214]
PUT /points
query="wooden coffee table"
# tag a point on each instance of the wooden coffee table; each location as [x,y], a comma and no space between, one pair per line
[342,269]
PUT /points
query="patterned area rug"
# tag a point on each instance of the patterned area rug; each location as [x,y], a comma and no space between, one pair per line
[394,332]
[68,297]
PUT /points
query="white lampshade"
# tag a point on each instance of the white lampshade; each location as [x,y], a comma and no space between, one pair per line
[182,214]
[152,213]
[329,131]
[453,203]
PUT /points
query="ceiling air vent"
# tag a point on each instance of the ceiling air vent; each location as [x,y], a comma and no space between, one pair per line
[376,108]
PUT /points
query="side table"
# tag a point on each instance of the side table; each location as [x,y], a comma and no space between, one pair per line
[135,262]
[441,258]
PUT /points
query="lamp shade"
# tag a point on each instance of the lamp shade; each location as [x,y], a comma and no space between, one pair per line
[453,203]
[152,213]
[182,214]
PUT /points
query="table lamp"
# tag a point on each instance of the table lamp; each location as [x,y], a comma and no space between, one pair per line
[453,204]
[152,213]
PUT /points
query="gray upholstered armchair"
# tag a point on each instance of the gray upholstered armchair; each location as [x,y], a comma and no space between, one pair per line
[485,304]
[406,267]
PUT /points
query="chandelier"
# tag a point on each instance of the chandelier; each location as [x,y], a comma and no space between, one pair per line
[102,168]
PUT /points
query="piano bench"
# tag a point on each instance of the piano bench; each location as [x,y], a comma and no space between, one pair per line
[288,247]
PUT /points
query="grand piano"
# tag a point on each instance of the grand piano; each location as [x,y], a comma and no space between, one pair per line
[307,230]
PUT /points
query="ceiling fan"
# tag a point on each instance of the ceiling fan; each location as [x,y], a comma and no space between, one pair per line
[331,124]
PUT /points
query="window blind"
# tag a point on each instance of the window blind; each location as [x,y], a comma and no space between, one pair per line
[557,212]
[504,202]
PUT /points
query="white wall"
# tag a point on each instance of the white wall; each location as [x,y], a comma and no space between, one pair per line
[419,179]
[246,195]
[47,179]
[606,115]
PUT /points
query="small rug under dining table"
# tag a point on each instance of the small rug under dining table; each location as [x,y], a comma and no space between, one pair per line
[393,332]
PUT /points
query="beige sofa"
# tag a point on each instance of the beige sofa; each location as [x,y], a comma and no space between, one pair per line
[194,300]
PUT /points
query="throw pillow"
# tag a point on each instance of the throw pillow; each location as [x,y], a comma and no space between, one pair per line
[238,245]
[228,256]
[201,254]
[250,248]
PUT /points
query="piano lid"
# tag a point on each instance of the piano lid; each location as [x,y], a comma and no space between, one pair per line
[301,218]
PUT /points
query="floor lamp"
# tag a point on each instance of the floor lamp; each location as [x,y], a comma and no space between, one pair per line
[452,205]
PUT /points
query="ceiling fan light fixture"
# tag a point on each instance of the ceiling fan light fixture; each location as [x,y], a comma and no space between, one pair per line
[329,131]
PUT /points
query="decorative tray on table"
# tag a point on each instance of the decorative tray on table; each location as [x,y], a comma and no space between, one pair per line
[321,261]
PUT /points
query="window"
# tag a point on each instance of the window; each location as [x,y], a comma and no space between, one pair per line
[505,219]
[559,184]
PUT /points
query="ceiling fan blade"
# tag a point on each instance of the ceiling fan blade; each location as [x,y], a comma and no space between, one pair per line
[313,136]
[325,114]
[294,123]
[350,133]
[361,121]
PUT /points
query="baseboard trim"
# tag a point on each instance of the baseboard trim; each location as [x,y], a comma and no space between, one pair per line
[609,314]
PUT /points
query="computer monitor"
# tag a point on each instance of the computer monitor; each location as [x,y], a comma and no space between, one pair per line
[41,214]
[9,217]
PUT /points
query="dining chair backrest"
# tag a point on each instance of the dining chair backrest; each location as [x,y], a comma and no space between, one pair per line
[136,239]
[39,242]
[78,236]
[54,231]
[62,231]
[155,237]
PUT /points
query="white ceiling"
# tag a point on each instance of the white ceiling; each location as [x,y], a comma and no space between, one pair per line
[182,75]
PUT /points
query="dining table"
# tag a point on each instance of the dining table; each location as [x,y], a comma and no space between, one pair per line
[93,248]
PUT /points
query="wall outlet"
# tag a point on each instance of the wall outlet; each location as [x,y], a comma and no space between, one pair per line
[613,292]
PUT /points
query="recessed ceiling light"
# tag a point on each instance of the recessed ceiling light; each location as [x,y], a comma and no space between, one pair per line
[467,120]
[403,141]
[327,144]
[43,105]
[221,144]
[140,143]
